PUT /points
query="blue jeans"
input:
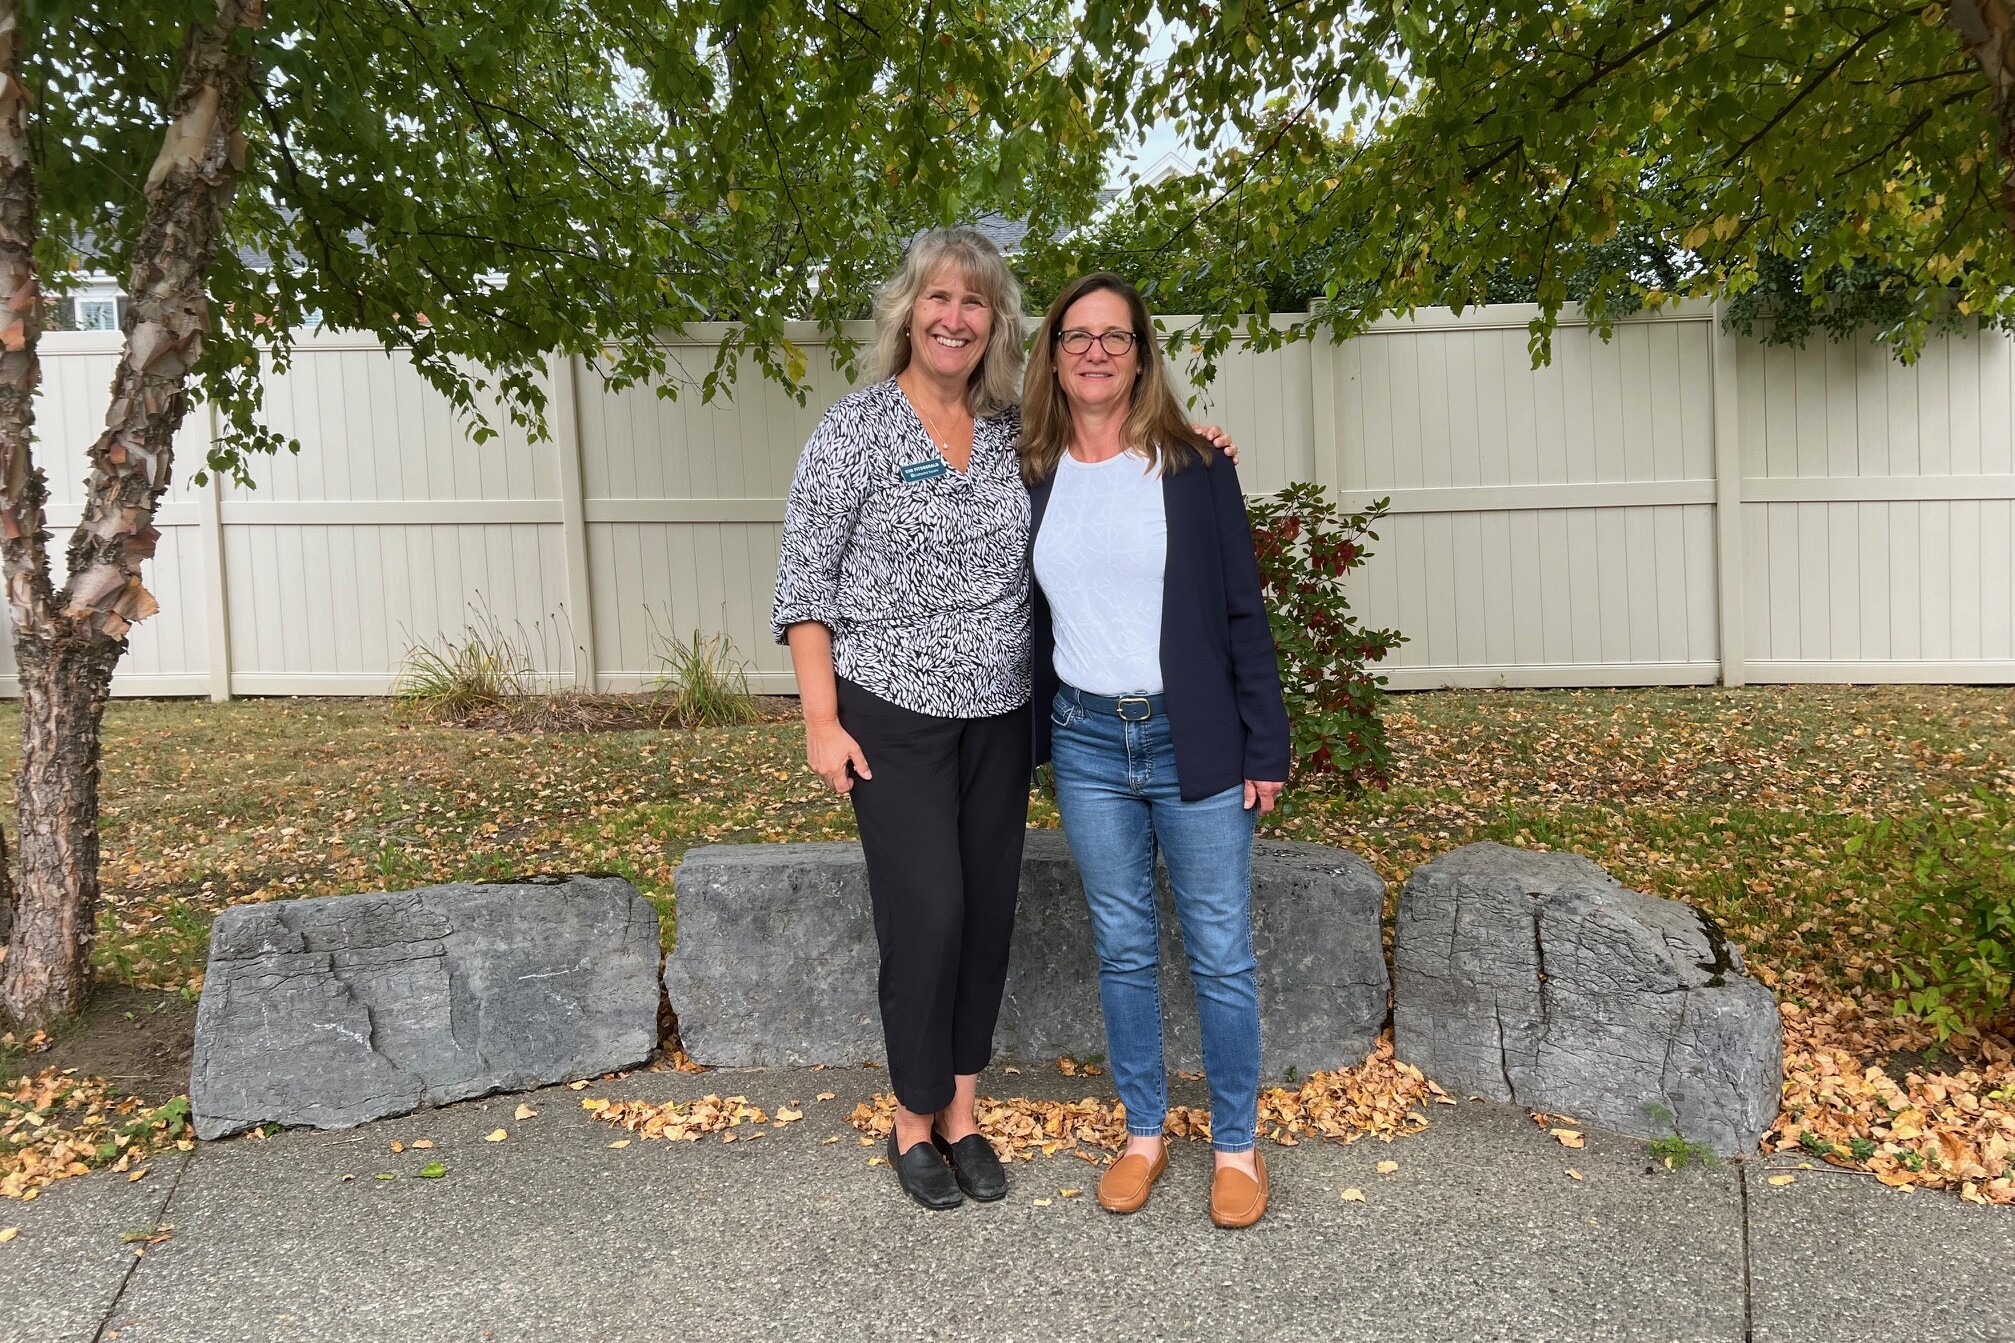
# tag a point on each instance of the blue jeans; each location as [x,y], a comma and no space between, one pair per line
[1116,787]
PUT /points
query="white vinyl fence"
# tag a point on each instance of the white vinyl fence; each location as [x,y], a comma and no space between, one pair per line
[1671,506]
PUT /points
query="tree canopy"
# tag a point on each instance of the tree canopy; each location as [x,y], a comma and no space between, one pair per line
[490,183]
[1833,158]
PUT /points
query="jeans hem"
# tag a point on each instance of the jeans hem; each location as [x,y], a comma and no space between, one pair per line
[1233,1151]
[1154,1132]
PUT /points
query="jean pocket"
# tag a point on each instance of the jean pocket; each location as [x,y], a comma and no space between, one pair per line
[1063,711]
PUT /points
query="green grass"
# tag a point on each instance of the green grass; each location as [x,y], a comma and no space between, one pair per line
[1740,800]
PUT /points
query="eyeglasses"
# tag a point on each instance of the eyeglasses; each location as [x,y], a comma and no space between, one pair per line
[1077,341]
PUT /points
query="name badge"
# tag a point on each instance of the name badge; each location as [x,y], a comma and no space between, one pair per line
[929,470]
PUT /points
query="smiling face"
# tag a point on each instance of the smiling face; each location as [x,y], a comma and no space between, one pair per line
[1096,380]
[949,327]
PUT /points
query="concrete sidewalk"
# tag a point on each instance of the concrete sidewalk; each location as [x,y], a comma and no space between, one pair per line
[553,1235]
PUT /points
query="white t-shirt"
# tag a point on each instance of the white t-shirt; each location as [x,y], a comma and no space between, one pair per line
[1100,557]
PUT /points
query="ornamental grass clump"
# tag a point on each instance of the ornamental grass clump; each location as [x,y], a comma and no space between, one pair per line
[1306,546]
[703,684]
[454,680]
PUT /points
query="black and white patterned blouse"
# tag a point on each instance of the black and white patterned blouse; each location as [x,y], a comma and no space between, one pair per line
[920,572]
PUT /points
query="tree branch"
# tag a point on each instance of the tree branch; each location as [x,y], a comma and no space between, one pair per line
[191,182]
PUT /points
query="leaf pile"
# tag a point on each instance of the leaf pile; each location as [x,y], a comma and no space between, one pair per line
[1939,1129]
[1742,802]
[1379,1098]
[689,1121]
[54,1125]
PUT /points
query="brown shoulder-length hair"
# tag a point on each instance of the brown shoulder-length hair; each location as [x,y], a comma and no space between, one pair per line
[1155,425]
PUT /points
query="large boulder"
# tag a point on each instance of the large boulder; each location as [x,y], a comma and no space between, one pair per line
[1538,978]
[776,960]
[335,1011]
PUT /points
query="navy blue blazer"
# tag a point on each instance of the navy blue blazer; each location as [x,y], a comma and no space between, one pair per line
[1220,679]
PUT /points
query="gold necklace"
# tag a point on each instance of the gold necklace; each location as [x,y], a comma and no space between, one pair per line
[939,441]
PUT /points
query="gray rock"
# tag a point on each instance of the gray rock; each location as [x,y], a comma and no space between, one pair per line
[776,961]
[1537,978]
[335,1011]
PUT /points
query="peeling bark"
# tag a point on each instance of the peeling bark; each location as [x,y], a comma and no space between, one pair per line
[24,538]
[1988,30]
[67,643]
[167,317]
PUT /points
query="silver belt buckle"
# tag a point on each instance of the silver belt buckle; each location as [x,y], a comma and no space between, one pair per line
[1146,708]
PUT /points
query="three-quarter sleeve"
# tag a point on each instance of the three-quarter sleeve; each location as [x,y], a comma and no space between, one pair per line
[819,519]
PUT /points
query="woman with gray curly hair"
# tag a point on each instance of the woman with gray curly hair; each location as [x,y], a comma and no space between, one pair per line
[903,592]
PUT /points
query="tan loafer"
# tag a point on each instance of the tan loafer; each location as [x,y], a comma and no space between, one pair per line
[1127,1182]
[1236,1199]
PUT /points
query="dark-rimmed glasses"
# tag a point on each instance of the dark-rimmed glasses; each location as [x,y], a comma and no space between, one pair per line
[1077,341]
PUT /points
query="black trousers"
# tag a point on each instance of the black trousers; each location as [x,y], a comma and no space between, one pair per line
[941,824]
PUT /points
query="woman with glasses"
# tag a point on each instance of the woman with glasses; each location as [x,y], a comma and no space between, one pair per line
[903,593]
[1158,702]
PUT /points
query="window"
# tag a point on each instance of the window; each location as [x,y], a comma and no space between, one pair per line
[97,314]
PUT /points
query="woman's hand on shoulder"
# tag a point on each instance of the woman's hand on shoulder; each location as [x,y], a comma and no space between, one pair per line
[829,750]
[1218,439]
[1263,794]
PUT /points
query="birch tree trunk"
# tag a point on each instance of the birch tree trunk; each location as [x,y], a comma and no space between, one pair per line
[67,643]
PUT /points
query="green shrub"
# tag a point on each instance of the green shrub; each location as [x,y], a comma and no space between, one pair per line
[1305,548]
[703,684]
[1954,964]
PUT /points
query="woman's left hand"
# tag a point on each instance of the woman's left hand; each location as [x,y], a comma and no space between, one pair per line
[1220,440]
[1263,794]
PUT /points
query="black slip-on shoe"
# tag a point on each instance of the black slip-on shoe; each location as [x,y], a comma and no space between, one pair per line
[976,1165]
[924,1176]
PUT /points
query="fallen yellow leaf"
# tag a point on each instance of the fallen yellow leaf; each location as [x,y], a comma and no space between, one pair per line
[1387,1167]
[1782,1180]
[495,1135]
[423,1144]
[136,1175]
[398,1147]
[9,1234]
[1070,1193]
[576,1086]
[620,1143]
[1573,1174]
[596,1103]
[828,1142]
[1042,1203]
[1569,1137]
[824,1096]
[1353,1196]
[878,1161]
[526,1112]
[786,1115]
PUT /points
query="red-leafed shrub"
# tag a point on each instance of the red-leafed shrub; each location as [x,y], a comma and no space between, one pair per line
[1306,547]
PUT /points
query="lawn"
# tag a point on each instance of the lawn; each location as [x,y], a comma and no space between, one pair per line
[1741,801]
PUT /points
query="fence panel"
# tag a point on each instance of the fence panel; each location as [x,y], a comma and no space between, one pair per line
[1879,500]
[1551,526]
[1672,505]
